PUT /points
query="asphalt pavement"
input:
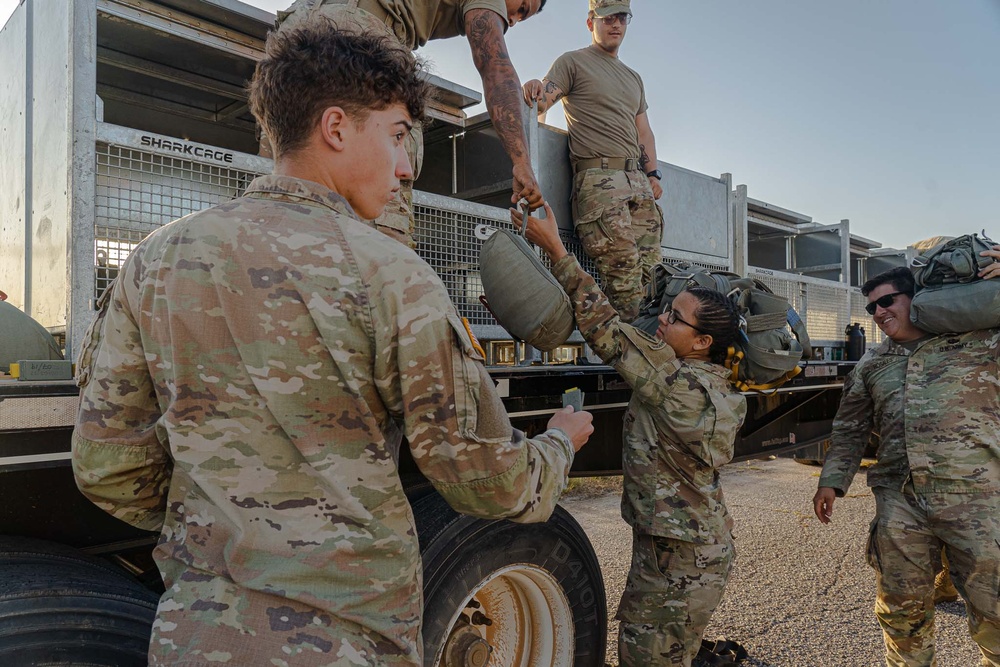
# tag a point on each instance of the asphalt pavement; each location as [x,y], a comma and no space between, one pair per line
[801,593]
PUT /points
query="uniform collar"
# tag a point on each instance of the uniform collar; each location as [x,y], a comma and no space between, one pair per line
[710,367]
[289,186]
[891,347]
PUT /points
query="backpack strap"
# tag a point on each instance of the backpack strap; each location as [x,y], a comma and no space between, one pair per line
[773,384]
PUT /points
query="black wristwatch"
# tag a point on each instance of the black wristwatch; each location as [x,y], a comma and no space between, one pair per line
[656,173]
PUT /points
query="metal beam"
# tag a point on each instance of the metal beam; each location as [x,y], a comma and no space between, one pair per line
[816,269]
[167,106]
[179,24]
[124,61]
[740,231]
[231,111]
[819,229]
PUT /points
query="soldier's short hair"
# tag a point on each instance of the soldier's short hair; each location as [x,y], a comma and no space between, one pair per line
[901,279]
[316,66]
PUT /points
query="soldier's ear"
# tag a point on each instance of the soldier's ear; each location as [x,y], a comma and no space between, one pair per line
[334,125]
[702,342]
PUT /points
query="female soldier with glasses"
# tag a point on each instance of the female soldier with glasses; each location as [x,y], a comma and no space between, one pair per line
[679,430]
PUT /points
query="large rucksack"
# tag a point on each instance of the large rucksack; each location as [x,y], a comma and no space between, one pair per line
[766,354]
[950,296]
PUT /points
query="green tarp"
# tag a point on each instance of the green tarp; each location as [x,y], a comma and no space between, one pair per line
[23,338]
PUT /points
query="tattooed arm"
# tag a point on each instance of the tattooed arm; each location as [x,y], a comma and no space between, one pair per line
[546,92]
[647,151]
[503,97]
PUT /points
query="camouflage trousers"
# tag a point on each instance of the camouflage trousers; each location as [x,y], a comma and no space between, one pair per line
[904,548]
[672,590]
[397,220]
[620,227]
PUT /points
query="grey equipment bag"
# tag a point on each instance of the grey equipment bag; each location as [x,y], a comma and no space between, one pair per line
[525,298]
[766,354]
[951,297]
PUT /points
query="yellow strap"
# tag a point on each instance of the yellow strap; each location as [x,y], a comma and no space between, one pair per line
[733,359]
[475,341]
[775,384]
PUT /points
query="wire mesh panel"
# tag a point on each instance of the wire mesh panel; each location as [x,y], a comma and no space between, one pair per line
[793,290]
[138,192]
[449,236]
[822,306]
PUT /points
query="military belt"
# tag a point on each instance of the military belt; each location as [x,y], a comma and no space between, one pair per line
[626,163]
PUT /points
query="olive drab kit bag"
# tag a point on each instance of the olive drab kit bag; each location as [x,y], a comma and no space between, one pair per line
[525,298]
[766,354]
[950,296]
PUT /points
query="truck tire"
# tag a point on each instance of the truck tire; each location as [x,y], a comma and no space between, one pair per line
[505,594]
[61,607]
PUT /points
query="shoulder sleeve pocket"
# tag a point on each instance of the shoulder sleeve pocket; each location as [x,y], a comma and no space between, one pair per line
[466,361]
[92,338]
[648,364]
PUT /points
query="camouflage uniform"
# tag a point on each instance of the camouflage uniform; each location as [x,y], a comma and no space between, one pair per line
[615,214]
[620,226]
[388,19]
[680,428]
[245,390]
[936,482]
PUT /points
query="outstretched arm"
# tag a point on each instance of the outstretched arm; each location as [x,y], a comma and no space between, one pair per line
[502,89]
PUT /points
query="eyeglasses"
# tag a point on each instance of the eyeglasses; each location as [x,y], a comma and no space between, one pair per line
[884,301]
[612,19]
[673,317]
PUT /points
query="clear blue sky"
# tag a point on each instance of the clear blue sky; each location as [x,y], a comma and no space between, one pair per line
[885,112]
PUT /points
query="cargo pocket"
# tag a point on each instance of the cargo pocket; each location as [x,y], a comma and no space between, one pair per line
[661,550]
[466,361]
[589,215]
[93,337]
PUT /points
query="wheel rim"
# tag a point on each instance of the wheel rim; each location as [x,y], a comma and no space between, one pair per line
[518,616]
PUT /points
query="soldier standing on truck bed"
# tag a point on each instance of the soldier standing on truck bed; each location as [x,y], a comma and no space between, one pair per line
[413,23]
[616,181]
[680,428]
[254,367]
[935,401]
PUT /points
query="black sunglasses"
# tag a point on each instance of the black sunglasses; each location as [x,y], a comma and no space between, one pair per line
[884,301]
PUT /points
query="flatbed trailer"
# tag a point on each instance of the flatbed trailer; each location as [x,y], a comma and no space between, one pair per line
[118,116]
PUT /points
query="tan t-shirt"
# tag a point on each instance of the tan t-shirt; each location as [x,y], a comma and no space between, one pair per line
[603,97]
[415,22]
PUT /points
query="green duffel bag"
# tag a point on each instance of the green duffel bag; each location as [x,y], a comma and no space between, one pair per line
[954,261]
[957,307]
[522,294]
[950,296]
